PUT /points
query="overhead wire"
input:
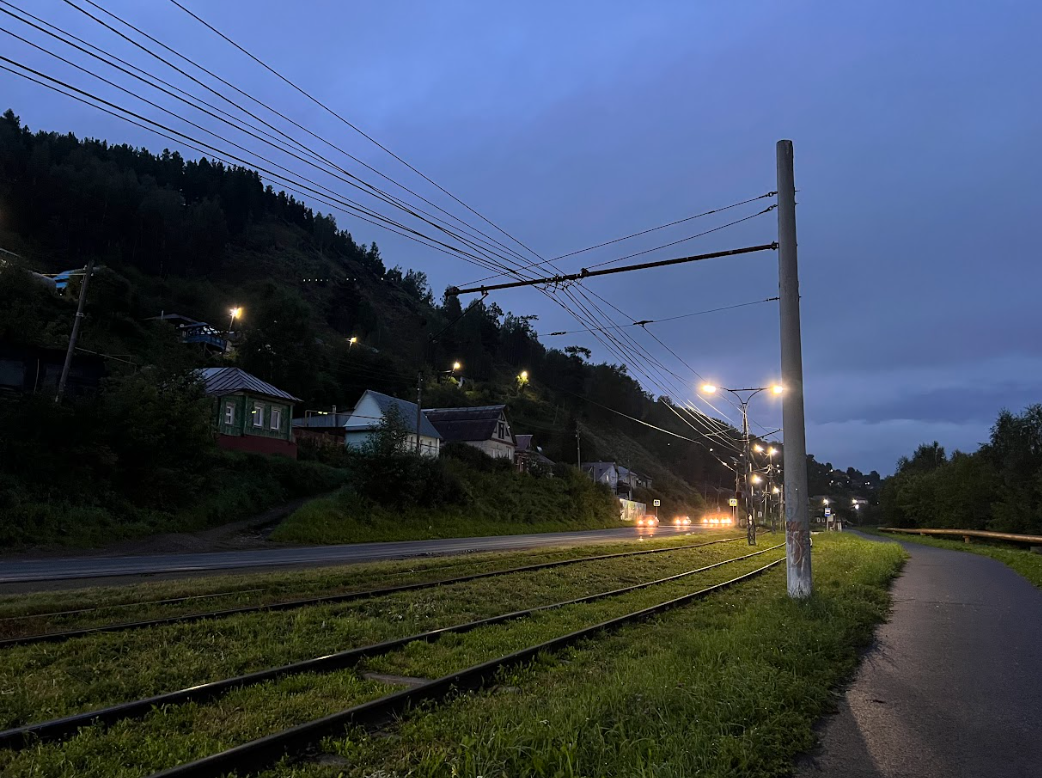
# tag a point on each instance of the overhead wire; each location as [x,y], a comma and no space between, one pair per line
[643,322]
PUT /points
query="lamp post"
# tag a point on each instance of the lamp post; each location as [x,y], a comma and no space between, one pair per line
[351,341]
[744,396]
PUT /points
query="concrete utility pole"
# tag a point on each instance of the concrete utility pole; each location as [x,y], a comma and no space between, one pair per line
[747,494]
[75,331]
[797,518]
[578,449]
[419,408]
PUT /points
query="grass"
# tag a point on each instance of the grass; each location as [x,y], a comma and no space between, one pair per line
[501,502]
[730,686]
[27,614]
[44,681]
[175,734]
[1027,563]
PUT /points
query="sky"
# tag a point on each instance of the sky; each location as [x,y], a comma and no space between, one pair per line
[915,128]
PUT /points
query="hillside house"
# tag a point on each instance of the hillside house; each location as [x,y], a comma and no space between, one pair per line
[250,414]
[606,473]
[31,369]
[485,428]
[193,331]
[354,429]
[529,455]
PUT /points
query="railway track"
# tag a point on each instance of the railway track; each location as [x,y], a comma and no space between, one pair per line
[57,637]
[67,726]
[262,752]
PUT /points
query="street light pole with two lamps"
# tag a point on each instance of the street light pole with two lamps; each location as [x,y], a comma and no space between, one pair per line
[744,396]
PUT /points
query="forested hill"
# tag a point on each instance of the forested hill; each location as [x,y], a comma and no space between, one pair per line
[196,237]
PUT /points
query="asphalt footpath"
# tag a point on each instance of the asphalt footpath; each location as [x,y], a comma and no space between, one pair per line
[953,684]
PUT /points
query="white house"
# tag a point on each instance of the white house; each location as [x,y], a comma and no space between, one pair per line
[484,427]
[358,426]
[603,473]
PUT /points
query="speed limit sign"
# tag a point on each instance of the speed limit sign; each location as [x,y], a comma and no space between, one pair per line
[656,503]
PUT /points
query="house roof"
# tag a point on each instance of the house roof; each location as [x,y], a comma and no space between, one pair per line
[226,380]
[524,442]
[407,409]
[463,424]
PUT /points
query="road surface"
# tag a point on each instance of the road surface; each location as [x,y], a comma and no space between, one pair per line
[952,687]
[18,573]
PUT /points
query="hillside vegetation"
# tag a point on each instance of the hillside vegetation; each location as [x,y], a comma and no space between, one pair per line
[196,237]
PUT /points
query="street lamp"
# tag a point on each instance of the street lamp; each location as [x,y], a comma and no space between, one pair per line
[744,396]
[457,366]
[352,341]
[236,313]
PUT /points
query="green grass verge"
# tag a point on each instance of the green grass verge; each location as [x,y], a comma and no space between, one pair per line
[1027,563]
[29,614]
[492,503]
[44,681]
[174,734]
[730,686]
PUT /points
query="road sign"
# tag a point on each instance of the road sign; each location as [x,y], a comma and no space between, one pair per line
[828,511]
[656,503]
[733,502]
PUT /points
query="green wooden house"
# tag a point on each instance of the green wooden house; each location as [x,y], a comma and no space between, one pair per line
[250,414]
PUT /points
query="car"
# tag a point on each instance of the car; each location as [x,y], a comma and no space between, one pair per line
[682,521]
[647,521]
[717,520]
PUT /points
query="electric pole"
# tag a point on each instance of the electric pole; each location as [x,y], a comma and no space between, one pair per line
[794,454]
[75,331]
[578,448]
[747,494]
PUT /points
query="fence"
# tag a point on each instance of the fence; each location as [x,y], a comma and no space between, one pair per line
[966,534]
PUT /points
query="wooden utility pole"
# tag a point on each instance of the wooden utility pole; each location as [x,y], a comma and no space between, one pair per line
[75,331]
[794,455]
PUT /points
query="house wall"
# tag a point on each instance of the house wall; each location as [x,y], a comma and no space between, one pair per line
[242,424]
[494,448]
[429,447]
[255,444]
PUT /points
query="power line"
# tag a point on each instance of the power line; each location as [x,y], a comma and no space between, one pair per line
[644,322]
[768,209]
[642,232]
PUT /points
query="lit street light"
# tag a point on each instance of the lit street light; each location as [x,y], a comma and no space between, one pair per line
[352,341]
[236,313]
[744,397]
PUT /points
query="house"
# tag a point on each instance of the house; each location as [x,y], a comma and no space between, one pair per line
[356,428]
[30,369]
[633,479]
[485,428]
[606,473]
[528,455]
[250,414]
[193,331]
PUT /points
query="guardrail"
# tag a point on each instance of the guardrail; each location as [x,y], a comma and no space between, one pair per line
[966,534]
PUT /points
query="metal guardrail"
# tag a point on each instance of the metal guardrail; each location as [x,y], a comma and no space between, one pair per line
[966,534]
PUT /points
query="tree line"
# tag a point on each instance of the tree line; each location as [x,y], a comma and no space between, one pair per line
[998,487]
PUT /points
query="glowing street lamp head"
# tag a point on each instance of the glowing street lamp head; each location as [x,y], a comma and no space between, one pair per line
[708,388]
[353,340]
[523,375]
[457,366]
[757,448]
[755,479]
[825,501]
[236,312]
[776,490]
[777,389]
[772,451]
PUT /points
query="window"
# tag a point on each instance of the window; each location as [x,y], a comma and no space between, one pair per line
[229,412]
[276,417]
[258,415]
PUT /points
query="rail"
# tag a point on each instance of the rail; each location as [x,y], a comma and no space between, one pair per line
[68,726]
[966,534]
[57,637]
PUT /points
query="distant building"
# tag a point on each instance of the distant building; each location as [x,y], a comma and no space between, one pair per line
[250,414]
[356,428]
[606,473]
[633,479]
[527,454]
[193,331]
[484,427]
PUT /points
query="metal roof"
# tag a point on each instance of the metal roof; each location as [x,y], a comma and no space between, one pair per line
[463,424]
[227,380]
[406,409]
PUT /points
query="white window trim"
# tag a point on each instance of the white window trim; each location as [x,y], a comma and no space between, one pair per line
[258,415]
[229,412]
[275,418]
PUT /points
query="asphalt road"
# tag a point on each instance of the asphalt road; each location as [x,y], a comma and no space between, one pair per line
[953,686]
[89,569]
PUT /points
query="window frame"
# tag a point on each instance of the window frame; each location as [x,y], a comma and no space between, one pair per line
[275,418]
[258,415]
[229,413]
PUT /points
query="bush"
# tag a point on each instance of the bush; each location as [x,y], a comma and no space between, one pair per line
[476,458]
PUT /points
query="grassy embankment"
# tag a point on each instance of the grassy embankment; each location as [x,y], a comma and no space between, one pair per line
[729,685]
[1025,562]
[491,502]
